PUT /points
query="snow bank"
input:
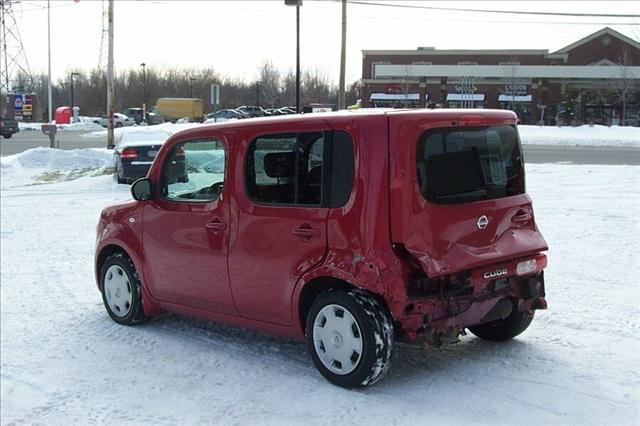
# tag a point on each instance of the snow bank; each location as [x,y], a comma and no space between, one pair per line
[85,124]
[582,135]
[169,127]
[40,165]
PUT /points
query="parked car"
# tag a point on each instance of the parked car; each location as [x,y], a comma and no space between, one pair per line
[135,152]
[119,120]
[8,127]
[227,114]
[253,111]
[347,231]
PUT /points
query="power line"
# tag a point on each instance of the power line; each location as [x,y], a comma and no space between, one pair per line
[485,21]
[512,12]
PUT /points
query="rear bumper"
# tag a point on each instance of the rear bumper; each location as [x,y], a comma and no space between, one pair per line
[443,308]
[134,169]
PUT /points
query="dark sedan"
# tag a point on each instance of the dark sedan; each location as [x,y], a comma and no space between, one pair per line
[135,152]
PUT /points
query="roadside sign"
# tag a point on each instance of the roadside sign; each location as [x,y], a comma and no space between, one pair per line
[215,94]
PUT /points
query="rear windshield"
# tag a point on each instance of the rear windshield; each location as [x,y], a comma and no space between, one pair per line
[460,165]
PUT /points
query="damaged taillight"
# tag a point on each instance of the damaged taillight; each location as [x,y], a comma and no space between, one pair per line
[532,265]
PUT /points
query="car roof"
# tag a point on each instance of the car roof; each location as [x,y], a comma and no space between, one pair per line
[344,116]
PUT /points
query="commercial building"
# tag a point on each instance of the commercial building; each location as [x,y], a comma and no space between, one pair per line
[596,79]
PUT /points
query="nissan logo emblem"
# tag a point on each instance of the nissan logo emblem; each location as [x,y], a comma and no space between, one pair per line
[483,221]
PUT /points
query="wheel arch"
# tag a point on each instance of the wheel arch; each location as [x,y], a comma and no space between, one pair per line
[309,290]
[104,253]
[149,303]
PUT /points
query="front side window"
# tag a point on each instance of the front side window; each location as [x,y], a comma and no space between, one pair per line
[194,171]
[286,169]
[457,165]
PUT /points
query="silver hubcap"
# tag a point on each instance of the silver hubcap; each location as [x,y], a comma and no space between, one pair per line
[117,290]
[337,339]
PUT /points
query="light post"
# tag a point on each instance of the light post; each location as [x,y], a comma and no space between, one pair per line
[297,4]
[73,74]
[258,93]
[191,80]
[144,91]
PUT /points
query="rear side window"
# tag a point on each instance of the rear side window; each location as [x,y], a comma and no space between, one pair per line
[306,169]
[286,169]
[458,165]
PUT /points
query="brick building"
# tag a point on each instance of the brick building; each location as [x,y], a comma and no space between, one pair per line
[596,79]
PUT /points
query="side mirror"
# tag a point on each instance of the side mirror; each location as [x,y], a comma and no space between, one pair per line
[141,189]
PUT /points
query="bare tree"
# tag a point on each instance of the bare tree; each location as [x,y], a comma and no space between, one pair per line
[269,83]
[626,86]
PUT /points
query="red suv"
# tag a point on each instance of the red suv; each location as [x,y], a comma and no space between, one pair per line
[351,230]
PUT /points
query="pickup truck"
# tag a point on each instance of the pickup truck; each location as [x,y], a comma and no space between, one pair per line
[8,127]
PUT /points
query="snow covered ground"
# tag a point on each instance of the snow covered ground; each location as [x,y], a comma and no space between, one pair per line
[582,135]
[63,361]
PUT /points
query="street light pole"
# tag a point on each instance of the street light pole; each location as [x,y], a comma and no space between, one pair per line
[258,93]
[73,74]
[297,4]
[144,91]
[191,80]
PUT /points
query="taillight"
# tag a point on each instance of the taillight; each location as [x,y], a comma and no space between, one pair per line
[129,153]
[470,120]
[532,265]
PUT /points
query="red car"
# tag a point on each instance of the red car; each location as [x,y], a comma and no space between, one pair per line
[350,230]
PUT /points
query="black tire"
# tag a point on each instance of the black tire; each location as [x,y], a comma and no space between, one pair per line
[123,263]
[8,135]
[118,124]
[376,331]
[504,329]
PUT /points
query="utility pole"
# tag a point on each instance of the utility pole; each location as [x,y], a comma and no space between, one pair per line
[258,93]
[110,136]
[298,57]
[343,57]
[50,105]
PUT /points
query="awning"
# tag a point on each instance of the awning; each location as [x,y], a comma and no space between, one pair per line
[477,97]
[509,98]
[395,96]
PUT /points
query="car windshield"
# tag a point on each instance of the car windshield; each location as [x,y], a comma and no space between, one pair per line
[458,165]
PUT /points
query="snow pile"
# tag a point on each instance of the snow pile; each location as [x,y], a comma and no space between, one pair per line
[168,127]
[582,135]
[86,124]
[41,165]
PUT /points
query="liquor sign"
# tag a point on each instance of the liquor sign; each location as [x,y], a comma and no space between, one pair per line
[516,88]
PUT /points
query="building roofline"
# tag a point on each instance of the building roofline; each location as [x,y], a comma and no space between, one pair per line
[605,30]
[432,52]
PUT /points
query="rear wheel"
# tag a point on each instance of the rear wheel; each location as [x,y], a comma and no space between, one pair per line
[121,291]
[350,337]
[504,329]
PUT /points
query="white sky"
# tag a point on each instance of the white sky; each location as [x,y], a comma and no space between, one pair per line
[234,37]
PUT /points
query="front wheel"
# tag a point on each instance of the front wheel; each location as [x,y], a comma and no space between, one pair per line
[504,329]
[350,337]
[121,291]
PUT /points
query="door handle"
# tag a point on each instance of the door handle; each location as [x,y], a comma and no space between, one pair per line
[306,231]
[216,226]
